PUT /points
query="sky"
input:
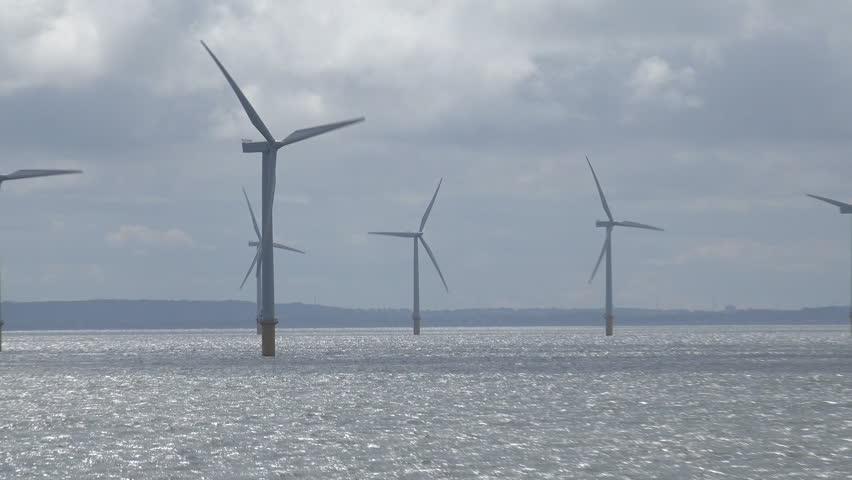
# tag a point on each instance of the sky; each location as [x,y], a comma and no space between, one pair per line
[708,119]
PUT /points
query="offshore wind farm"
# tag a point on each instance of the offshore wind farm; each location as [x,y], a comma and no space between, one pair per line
[129,348]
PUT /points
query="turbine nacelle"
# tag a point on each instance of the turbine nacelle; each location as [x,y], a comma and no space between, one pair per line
[626,223]
[255,147]
[253,243]
[297,136]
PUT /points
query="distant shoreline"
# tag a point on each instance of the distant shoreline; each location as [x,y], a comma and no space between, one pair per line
[235,314]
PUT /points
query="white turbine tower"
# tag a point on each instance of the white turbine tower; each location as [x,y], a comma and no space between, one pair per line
[418,237]
[845,208]
[29,174]
[269,151]
[610,223]
[257,245]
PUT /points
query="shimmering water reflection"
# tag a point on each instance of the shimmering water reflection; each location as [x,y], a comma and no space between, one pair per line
[667,402]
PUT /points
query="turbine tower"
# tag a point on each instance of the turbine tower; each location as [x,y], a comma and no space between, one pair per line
[257,244]
[269,151]
[418,237]
[17,175]
[845,208]
[609,224]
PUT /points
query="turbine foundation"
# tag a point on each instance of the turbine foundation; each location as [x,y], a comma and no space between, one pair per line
[257,321]
[1,336]
[267,339]
[416,318]
[609,319]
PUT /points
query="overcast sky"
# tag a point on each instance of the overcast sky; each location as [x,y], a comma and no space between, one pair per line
[710,120]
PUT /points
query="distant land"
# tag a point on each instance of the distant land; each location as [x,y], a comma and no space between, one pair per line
[187,314]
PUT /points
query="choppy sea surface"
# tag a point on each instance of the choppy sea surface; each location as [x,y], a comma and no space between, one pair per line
[652,402]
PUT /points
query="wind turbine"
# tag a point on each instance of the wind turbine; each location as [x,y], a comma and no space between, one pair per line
[269,151]
[17,175]
[257,244]
[418,237]
[607,247]
[845,208]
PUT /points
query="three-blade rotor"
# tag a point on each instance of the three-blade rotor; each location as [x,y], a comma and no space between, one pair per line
[611,223]
[259,244]
[419,235]
[271,143]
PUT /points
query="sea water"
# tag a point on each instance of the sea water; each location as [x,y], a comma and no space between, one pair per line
[652,402]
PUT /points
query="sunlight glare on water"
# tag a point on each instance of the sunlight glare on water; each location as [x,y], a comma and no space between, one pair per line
[651,402]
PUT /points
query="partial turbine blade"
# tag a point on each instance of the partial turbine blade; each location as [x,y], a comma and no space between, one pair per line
[600,258]
[434,262]
[628,223]
[396,234]
[429,209]
[600,191]
[844,207]
[251,267]
[306,133]
[37,173]
[250,111]
[253,220]
[285,247]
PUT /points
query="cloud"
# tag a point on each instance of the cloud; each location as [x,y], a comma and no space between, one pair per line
[654,81]
[502,99]
[142,237]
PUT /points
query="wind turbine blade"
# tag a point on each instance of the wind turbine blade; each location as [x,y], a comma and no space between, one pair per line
[434,262]
[395,234]
[600,258]
[429,208]
[285,247]
[628,223]
[36,173]
[251,267]
[600,190]
[844,207]
[250,111]
[253,219]
[309,132]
